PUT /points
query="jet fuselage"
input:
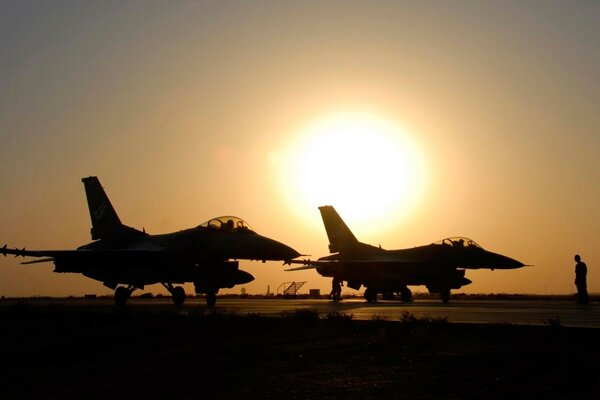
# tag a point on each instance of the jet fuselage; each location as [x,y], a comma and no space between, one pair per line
[191,255]
[206,255]
[439,266]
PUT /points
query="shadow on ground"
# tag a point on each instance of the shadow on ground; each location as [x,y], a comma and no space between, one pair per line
[100,352]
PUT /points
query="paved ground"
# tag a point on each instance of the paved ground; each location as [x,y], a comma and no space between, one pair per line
[531,312]
[519,311]
[74,349]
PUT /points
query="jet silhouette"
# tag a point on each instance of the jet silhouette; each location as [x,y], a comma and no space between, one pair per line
[439,266]
[121,255]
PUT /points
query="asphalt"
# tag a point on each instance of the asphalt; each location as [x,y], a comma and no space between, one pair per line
[298,349]
[562,311]
[522,312]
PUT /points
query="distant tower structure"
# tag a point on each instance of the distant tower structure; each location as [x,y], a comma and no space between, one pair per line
[268,290]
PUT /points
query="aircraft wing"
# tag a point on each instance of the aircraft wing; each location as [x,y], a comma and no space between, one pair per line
[310,264]
[100,257]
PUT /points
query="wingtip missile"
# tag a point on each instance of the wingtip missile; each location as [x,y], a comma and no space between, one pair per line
[290,262]
[306,264]
[4,250]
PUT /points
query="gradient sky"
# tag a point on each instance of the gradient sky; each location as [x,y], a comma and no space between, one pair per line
[189,110]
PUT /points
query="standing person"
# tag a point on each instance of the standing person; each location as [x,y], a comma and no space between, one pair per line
[580,280]
[336,289]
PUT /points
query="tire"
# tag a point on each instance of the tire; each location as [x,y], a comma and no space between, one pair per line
[445,294]
[178,295]
[211,299]
[371,295]
[406,295]
[121,296]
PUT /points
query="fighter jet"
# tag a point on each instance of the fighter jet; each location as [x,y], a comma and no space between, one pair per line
[206,255]
[439,266]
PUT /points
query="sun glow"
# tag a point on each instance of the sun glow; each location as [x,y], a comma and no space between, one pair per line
[365,166]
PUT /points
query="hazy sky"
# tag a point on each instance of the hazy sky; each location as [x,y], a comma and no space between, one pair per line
[188,110]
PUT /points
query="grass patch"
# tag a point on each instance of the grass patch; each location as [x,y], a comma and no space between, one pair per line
[302,315]
[339,316]
[379,317]
[408,318]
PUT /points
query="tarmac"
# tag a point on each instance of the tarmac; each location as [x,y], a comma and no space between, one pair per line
[298,349]
[563,311]
[522,312]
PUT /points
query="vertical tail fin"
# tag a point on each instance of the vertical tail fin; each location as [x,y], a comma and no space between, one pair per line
[105,221]
[340,236]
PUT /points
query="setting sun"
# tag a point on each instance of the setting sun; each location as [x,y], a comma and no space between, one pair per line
[416,122]
[366,166]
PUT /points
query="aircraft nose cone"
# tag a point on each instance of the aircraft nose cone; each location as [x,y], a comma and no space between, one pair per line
[285,252]
[275,251]
[504,262]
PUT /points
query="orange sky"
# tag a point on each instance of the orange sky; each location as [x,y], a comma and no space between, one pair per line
[187,111]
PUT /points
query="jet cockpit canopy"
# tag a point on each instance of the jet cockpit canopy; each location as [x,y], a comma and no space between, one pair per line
[228,223]
[458,242]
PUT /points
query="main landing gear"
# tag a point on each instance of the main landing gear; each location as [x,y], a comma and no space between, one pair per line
[177,293]
[444,292]
[371,295]
[122,294]
[211,298]
[405,295]
[210,291]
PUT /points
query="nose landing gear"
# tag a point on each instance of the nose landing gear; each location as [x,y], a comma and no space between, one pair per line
[445,295]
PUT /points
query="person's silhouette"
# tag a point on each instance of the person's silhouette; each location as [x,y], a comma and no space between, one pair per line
[336,289]
[581,280]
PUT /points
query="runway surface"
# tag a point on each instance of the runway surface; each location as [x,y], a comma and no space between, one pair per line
[522,312]
[531,312]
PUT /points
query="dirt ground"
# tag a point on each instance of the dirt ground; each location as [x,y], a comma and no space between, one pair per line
[58,352]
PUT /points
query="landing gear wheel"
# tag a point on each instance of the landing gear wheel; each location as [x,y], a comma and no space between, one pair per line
[371,295]
[178,295]
[406,295]
[122,294]
[211,299]
[445,295]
